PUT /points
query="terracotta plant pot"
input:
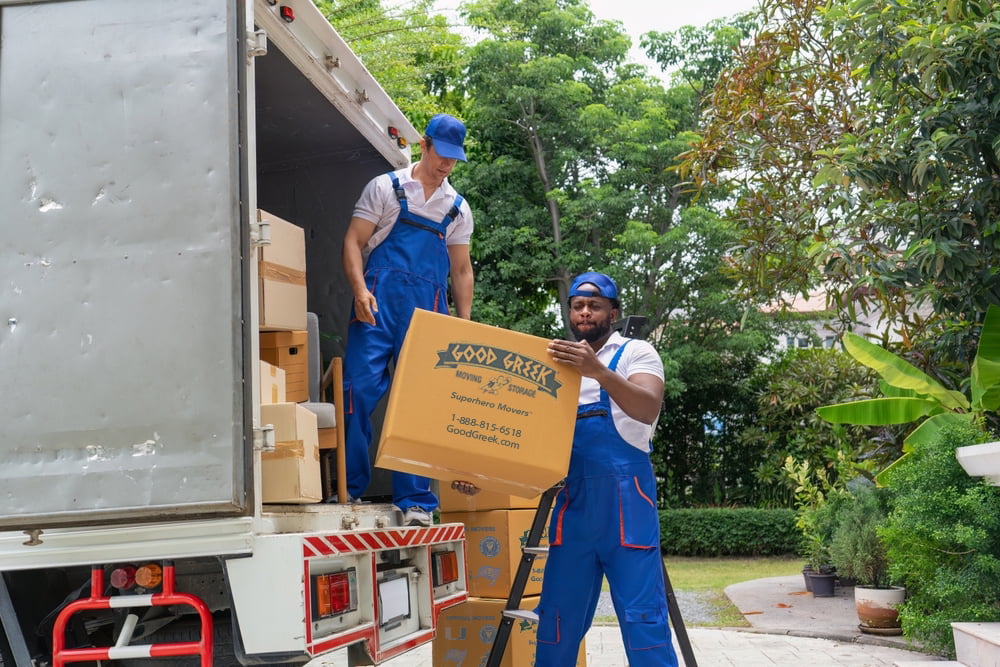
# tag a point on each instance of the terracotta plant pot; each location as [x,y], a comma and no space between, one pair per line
[877,609]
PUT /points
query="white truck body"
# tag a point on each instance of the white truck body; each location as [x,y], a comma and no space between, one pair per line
[137,142]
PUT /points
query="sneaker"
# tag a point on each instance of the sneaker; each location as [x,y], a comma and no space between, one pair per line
[416,516]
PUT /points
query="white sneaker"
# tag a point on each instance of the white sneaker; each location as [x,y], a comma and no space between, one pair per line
[416,516]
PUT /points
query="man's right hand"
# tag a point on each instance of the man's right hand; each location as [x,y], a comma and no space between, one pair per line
[365,307]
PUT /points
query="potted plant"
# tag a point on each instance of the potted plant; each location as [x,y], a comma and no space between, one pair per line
[816,497]
[859,553]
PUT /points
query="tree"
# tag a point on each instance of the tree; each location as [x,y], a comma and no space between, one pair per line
[410,51]
[861,139]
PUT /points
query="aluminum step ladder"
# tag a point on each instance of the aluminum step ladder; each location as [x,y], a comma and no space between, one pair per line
[531,549]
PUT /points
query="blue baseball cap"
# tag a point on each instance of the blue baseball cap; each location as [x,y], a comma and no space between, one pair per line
[606,287]
[448,135]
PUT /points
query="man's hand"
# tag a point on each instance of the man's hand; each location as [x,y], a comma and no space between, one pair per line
[465,488]
[365,307]
[577,354]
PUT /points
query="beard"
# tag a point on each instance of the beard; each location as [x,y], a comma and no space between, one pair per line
[595,332]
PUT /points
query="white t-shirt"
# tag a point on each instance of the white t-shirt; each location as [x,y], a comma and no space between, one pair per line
[639,357]
[378,204]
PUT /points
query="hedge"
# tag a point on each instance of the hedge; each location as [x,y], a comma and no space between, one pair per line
[729,532]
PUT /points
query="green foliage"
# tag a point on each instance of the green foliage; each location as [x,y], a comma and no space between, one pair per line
[819,497]
[911,394]
[699,54]
[728,532]
[856,550]
[409,50]
[787,392]
[943,540]
[860,139]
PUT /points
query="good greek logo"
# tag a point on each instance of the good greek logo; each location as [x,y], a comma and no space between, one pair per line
[539,374]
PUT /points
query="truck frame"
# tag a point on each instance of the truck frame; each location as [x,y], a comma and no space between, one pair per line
[140,141]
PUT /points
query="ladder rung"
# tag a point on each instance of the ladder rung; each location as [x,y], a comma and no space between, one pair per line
[521,614]
[540,551]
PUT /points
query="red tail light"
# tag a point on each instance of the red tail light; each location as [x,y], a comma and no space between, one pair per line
[334,593]
[445,567]
[287,13]
[123,578]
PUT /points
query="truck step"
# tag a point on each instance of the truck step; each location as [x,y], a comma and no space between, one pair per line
[521,615]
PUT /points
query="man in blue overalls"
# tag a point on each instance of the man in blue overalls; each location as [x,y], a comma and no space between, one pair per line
[604,520]
[409,233]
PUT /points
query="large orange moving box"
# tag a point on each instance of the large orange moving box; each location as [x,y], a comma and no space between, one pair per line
[466,631]
[290,474]
[281,269]
[479,403]
[452,501]
[493,550]
[288,350]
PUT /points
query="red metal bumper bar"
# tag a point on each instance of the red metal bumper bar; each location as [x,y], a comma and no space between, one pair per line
[97,600]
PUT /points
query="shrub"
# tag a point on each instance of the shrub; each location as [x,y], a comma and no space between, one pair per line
[729,532]
[856,550]
[943,540]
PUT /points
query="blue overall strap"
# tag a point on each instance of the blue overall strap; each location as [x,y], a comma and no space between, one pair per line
[400,193]
[613,365]
[453,211]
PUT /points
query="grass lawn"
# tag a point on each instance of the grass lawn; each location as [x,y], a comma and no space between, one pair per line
[708,578]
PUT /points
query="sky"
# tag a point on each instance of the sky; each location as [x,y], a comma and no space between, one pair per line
[639,16]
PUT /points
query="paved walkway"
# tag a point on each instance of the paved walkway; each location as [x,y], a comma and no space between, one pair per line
[789,627]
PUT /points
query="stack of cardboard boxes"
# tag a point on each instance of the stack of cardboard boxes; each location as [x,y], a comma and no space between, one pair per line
[291,472]
[496,529]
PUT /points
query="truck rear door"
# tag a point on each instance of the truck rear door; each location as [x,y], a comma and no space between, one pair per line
[122,338]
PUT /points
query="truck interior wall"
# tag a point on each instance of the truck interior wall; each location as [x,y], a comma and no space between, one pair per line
[312,165]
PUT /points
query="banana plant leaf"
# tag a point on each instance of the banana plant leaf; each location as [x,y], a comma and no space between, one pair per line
[879,411]
[899,373]
[986,365]
[930,429]
[895,392]
[926,432]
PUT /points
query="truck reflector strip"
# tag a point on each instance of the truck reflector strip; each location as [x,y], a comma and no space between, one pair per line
[374,540]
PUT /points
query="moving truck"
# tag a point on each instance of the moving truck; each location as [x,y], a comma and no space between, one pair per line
[143,147]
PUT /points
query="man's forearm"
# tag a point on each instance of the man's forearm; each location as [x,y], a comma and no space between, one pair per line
[461,292]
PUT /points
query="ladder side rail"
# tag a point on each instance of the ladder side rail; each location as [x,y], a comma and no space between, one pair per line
[502,635]
[674,612]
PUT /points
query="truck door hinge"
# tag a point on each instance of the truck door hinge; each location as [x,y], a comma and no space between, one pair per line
[256,44]
[260,233]
[263,438]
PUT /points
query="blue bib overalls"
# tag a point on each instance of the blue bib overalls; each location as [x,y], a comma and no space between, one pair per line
[408,270]
[604,523]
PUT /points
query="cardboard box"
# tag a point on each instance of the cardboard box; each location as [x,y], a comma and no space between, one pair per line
[465,635]
[281,270]
[290,474]
[478,403]
[453,501]
[272,384]
[288,350]
[493,550]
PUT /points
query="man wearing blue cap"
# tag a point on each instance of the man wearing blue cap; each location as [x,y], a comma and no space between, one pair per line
[604,520]
[410,232]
